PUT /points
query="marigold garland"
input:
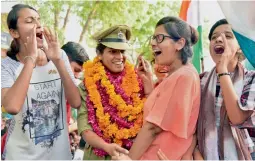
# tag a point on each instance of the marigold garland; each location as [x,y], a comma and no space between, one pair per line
[118,105]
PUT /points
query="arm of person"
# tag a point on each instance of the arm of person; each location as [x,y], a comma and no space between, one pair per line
[13,104]
[236,115]
[97,142]
[197,155]
[179,109]
[189,153]
[71,91]
[86,131]
[146,136]
[60,60]
[193,151]
[148,88]
[14,93]
[84,128]
[94,140]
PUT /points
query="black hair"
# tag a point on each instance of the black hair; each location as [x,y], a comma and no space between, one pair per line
[218,23]
[100,48]
[241,56]
[75,52]
[177,28]
[12,20]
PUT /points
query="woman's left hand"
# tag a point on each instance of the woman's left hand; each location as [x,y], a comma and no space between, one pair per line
[53,49]
[222,65]
[121,157]
[143,70]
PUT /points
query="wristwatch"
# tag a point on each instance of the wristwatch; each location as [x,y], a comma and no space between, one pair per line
[222,74]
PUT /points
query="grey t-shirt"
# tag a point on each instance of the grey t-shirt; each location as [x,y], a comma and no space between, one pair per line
[39,130]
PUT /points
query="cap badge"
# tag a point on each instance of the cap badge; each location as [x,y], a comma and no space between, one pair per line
[120,35]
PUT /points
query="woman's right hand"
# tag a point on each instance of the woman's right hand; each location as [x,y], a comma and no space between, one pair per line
[31,43]
[114,149]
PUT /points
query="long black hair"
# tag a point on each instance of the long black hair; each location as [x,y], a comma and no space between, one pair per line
[12,20]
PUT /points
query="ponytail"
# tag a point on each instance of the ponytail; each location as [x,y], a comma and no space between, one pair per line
[14,49]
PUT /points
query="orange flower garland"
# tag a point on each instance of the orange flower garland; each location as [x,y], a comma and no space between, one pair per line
[94,72]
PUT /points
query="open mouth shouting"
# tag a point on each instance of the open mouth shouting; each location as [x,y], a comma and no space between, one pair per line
[219,49]
[157,52]
[39,37]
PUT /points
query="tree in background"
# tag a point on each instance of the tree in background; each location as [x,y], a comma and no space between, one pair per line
[141,16]
[97,15]
[4,26]
[55,8]
[86,15]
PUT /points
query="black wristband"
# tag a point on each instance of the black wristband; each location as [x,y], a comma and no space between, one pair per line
[222,74]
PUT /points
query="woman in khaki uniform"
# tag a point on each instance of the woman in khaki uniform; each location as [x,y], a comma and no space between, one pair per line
[112,97]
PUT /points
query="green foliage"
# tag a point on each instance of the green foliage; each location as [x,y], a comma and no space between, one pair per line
[153,13]
[141,16]
[4,26]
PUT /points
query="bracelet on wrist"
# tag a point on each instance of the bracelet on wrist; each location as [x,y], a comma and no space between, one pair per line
[222,74]
[30,57]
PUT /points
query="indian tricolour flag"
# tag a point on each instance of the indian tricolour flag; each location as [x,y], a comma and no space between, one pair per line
[190,12]
[241,16]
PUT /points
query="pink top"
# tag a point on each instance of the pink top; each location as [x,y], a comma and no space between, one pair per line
[174,106]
